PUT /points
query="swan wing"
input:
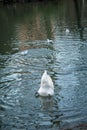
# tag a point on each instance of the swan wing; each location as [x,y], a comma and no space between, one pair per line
[46,80]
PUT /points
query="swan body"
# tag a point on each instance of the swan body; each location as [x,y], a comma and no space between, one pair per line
[67,30]
[46,87]
[49,41]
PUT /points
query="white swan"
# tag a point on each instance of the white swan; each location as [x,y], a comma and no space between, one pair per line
[46,87]
[49,41]
[67,30]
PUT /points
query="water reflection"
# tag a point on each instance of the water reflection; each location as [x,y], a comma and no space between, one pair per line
[47,103]
[34,38]
[79,15]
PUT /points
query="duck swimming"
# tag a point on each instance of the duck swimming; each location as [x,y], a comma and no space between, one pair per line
[46,86]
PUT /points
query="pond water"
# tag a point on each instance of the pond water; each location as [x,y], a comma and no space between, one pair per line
[43,36]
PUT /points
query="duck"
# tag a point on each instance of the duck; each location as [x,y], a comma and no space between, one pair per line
[46,85]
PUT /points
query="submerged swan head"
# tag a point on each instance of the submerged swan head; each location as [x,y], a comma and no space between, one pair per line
[46,86]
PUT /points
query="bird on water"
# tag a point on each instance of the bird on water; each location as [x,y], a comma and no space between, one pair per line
[46,86]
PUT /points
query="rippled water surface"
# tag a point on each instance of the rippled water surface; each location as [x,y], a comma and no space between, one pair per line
[43,36]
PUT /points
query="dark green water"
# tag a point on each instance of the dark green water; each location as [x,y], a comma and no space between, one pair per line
[26,51]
